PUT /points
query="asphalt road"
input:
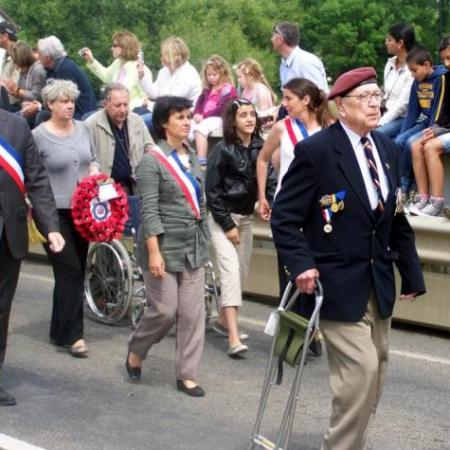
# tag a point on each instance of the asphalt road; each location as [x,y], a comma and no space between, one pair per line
[66,403]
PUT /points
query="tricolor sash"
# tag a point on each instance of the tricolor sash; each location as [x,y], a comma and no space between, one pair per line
[12,163]
[184,178]
[290,130]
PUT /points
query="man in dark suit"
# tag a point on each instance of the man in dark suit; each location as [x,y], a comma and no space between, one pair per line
[20,170]
[337,217]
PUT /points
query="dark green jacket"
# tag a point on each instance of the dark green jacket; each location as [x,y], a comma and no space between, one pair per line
[166,213]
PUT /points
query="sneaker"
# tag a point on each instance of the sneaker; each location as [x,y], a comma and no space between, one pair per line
[222,331]
[434,208]
[420,201]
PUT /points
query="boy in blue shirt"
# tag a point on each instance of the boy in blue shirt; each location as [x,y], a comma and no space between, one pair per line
[425,103]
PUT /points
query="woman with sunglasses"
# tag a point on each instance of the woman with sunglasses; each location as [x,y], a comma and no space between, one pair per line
[231,194]
[125,50]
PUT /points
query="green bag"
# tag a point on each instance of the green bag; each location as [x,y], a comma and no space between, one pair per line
[290,337]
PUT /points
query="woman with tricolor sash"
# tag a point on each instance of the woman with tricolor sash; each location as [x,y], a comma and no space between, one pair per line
[308,113]
[172,246]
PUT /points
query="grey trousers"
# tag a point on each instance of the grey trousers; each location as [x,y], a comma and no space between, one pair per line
[179,296]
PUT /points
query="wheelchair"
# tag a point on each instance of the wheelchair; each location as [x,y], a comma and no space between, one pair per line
[114,285]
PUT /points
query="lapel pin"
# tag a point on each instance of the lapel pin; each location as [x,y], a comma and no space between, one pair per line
[388,166]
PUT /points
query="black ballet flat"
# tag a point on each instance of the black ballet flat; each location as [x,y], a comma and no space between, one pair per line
[196,391]
[134,373]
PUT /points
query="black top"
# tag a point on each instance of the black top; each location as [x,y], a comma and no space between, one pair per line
[121,169]
[231,181]
[444,117]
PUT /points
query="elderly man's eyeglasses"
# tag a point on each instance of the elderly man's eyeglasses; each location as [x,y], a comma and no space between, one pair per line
[366,97]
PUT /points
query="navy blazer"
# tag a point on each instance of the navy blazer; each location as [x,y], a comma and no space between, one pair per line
[357,256]
[13,210]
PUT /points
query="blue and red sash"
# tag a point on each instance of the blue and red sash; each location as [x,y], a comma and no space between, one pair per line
[185,179]
[12,163]
[290,130]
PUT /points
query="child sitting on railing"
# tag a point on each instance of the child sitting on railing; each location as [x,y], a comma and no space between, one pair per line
[218,89]
[428,150]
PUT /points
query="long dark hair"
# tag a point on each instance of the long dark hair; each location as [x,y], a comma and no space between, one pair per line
[318,99]
[403,31]
[230,135]
[164,107]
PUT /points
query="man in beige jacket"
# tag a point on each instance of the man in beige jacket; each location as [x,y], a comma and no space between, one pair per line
[120,136]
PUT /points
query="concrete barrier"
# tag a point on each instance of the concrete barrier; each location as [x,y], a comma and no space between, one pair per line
[433,245]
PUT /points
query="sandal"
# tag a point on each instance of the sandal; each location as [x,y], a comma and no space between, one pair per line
[79,349]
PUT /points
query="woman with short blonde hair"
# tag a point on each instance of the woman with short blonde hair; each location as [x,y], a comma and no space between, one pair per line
[177,77]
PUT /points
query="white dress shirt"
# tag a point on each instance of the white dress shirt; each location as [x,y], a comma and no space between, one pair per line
[355,140]
[397,87]
[183,82]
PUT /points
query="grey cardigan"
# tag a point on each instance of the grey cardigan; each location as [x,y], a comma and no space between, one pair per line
[67,159]
[33,82]
[166,213]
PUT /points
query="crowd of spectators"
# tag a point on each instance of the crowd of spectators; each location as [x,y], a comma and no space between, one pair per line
[78,135]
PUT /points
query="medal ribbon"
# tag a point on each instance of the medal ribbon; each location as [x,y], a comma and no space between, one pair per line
[12,163]
[189,186]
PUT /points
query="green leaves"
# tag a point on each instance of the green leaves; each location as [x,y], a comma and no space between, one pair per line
[343,33]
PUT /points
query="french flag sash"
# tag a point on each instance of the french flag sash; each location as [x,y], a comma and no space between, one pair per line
[291,132]
[12,163]
[185,180]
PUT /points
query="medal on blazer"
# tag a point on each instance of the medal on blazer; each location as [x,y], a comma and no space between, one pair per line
[331,204]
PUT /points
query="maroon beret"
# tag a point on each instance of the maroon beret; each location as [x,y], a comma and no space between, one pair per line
[352,79]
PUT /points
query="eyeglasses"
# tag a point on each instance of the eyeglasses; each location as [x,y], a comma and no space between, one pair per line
[115,45]
[366,97]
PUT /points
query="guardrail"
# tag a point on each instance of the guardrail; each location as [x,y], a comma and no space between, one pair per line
[433,246]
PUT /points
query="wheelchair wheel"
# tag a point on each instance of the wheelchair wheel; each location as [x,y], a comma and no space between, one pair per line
[212,292]
[137,306]
[108,281]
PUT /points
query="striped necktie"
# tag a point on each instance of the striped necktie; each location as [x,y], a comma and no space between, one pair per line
[368,150]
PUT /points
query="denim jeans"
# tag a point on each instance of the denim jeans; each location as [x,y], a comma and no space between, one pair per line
[404,140]
[392,129]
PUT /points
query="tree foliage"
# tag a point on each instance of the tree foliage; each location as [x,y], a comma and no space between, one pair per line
[344,33]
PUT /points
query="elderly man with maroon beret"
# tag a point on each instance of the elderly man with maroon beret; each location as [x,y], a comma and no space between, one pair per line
[338,216]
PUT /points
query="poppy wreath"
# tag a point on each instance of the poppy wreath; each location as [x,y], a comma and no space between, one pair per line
[96,220]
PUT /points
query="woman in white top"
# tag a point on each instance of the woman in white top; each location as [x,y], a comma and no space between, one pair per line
[308,111]
[397,79]
[178,77]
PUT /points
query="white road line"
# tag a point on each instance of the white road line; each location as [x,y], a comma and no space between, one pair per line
[10,443]
[261,324]
[418,356]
